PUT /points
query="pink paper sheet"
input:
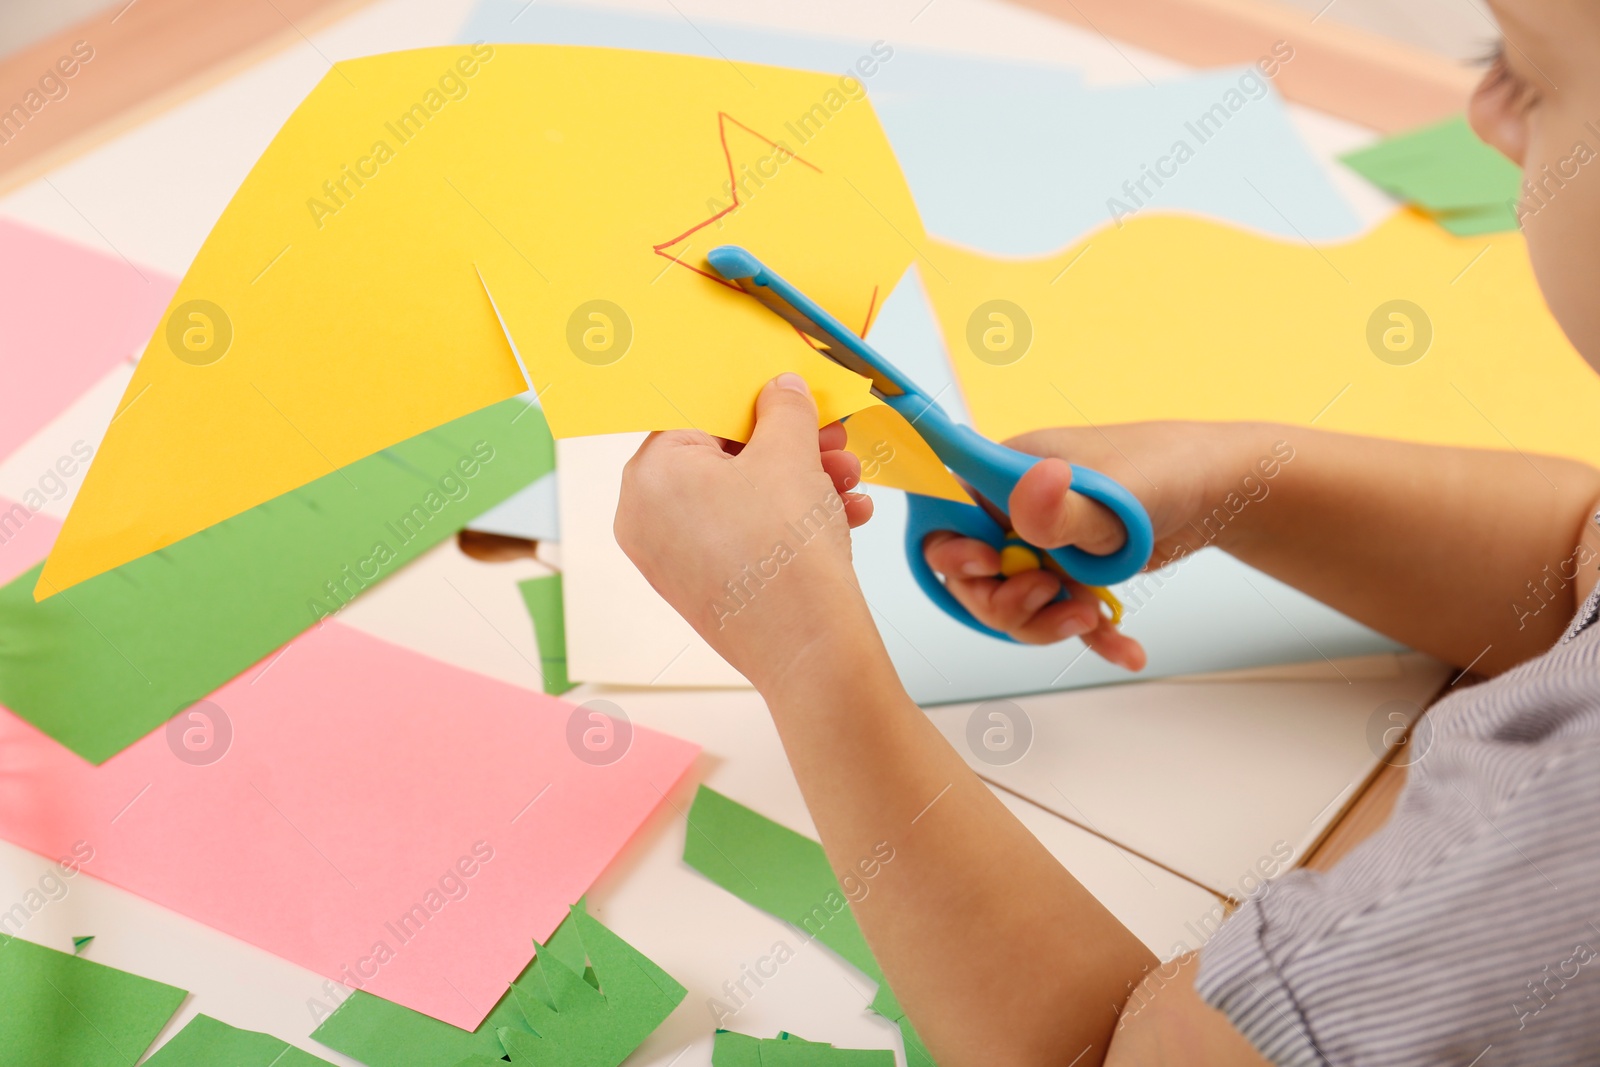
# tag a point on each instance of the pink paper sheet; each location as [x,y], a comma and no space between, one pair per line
[68,314]
[25,538]
[360,778]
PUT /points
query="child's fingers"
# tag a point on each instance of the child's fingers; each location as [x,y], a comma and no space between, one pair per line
[1114,646]
[844,468]
[857,508]
[955,556]
[1006,604]
[831,437]
[665,439]
[971,570]
[1024,607]
[786,421]
[664,446]
[1046,513]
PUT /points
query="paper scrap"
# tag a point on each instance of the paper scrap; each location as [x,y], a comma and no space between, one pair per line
[588,1000]
[787,875]
[390,220]
[80,943]
[208,1042]
[591,1025]
[1446,170]
[381,818]
[543,597]
[1402,333]
[786,1050]
[68,314]
[111,660]
[60,1008]
[381,1033]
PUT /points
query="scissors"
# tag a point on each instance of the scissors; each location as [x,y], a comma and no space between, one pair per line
[991,470]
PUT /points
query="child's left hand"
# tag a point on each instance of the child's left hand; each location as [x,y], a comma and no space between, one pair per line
[751,543]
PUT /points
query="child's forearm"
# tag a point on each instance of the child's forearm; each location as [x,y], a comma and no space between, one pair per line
[1477,557]
[996,952]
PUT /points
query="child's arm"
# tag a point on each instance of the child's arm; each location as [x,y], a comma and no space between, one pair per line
[1477,557]
[996,952]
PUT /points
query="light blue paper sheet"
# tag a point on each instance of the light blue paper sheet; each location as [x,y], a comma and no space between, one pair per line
[1026,175]
[908,73]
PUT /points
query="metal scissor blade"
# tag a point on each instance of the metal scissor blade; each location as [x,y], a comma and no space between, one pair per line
[831,346]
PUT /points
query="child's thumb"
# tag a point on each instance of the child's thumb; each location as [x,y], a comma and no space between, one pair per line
[786,416]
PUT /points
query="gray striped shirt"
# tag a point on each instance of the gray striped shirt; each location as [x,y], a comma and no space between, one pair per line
[1467,930]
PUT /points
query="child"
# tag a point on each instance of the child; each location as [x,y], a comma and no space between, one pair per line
[1463,932]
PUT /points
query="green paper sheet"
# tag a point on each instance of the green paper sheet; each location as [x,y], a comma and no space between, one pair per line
[543,597]
[102,664]
[61,1009]
[787,875]
[208,1042]
[558,1011]
[1448,172]
[81,943]
[786,1050]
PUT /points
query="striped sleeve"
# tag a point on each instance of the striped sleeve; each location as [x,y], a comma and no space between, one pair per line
[1465,931]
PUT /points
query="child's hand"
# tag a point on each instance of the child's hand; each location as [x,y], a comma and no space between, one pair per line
[1175,469]
[751,544]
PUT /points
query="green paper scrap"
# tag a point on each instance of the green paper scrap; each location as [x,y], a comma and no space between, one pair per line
[381,1033]
[786,1050]
[543,597]
[208,1042]
[733,1049]
[81,943]
[100,665]
[584,1026]
[558,1011]
[63,1009]
[787,875]
[779,871]
[1448,172]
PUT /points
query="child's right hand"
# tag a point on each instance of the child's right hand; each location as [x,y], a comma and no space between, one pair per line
[1179,472]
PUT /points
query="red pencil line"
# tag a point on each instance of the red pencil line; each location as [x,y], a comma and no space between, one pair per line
[723,118]
[871,307]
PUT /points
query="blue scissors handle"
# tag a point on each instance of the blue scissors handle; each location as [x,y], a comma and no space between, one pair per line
[993,470]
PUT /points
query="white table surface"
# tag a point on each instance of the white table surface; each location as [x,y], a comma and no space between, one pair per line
[152,194]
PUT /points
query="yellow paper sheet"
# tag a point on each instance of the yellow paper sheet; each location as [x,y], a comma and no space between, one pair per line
[343,302]
[1178,318]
